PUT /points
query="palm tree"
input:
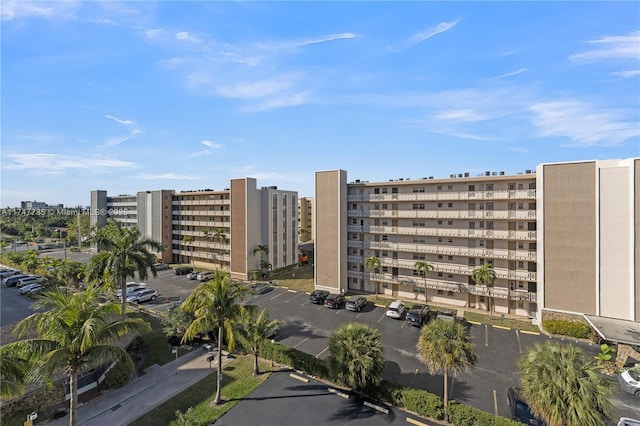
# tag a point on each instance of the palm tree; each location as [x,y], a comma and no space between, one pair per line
[444,346]
[373,263]
[187,240]
[263,250]
[356,355]
[13,369]
[422,266]
[122,253]
[304,234]
[209,236]
[485,275]
[216,304]
[254,330]
[74,332]
[70,273]
[563,387]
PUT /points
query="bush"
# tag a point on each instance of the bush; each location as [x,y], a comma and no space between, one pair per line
[423,403]
[567,328]
[294,358]
[387,392]
[116,377]
[464,415]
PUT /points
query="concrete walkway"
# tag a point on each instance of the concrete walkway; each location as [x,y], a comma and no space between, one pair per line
[142,394]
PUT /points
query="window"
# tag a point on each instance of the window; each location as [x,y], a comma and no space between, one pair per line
[481,224]
[440,274]
[418,206]
[419,240]
[439,240]
[512,285]
[450,188]
[450,241]
[439,205]
[450,258]
[489,187]
[385,190]
[439,222]
[520,225]
[354,206]
[385,206]
[418,256]
[450,205]
[450,222]
[439,187]
[354,221]
[472,188]
[384,269]
[520,206]
[440,257]
[376,190]
[385,238]
[520,245]
[418,189]
[394,190]
[450,276]
[419,223]
[472,225]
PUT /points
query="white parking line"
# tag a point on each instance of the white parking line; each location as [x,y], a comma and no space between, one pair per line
[518,337]
[278,295]
[486,335]
[290,299]
[383,315]
[301,342]
[322,351]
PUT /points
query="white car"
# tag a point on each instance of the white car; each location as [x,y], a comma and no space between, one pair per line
[131,286]
[28,280]
[630,381]
[26,288]
[205,276]
[144,295]
[396,310]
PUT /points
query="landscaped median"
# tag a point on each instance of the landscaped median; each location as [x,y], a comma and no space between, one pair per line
[499,322]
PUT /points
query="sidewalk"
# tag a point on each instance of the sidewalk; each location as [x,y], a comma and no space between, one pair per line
[142,394]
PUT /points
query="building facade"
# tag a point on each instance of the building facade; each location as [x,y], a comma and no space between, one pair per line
[305,219]
[565,238]
[589,222]
[211,229]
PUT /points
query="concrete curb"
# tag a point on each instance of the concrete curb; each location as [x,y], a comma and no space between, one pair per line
[340,394]
[501,327]
[535,333]
[474,322]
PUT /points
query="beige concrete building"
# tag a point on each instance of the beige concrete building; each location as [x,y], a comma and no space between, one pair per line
[305,219]
[565,238]
[455,224]
[589,226]
[212,229]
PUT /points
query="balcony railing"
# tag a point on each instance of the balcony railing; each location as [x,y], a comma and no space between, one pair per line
[445,232]
[521,194]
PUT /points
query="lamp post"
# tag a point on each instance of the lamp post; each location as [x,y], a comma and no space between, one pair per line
[64,244]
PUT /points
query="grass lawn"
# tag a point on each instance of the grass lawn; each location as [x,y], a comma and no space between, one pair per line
[237,382]
[300,279]
[158,350]
[507,322]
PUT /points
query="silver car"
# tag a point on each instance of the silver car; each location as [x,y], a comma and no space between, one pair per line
[630,381]
[145,295]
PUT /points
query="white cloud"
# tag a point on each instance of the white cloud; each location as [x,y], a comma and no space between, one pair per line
[292,44]
[462,115]
[613,47]
[511,74]
[431,32]
[200,153]
[283,101]
[45,162]
[255,89]
[185,36]
[154,33]
[21,9]
[120,120]
[583,124]
[210,144]
[169,176]
[626,74]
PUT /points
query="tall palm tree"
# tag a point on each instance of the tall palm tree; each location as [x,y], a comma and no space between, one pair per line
[422,266]
[74,332]
[122,253]
[216,304]
[485,275]
[187,240]
[373,263]
[13,369]
[563,387]
[445,346]
[209,236]
[262,250]
[254,330]
[70,273]
[356,355]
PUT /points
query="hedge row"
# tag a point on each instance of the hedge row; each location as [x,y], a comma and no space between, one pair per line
[416,400]
[567,328]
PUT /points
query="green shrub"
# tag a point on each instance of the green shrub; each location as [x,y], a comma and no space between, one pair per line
[294,358]
[387,392]
[423,403]
[567,328]
[464,415]
[116,377]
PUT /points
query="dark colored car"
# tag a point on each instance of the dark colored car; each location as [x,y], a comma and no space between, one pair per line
[418,315]
[334,301]
[520,410]
[261,288]
[13,281]
[183,270]
[356,303]
[318,296]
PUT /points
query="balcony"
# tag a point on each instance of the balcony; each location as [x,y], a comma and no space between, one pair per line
[446,214]
[522,194]
[201,202]
[445,232]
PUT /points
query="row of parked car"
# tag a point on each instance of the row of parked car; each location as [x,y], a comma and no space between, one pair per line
[138,293]
[26,284]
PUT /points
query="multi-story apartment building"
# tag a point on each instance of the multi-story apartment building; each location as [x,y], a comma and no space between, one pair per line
[459,223]
[305,219]
[211,229]
[40,205]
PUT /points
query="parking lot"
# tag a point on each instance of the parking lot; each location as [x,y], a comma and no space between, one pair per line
[307,327]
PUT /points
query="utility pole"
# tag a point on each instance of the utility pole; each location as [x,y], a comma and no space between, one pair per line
[79,239]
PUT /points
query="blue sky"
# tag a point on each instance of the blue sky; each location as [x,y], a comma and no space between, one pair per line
[188,95]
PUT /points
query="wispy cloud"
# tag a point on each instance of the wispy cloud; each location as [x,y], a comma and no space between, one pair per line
[114,141]
[283,101]
[584,124]
[255,89]
[511,74]
[210,146]
[611,47]
[45,162]
[462,115]
[185,36]
[166,176]
[154,34]
[431,32]
[39,137]
[22,9]
[626,74]
[292,44]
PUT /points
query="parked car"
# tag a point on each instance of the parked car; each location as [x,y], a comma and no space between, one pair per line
[192,275]
[145,295]
[446,316]
[261,288]
[626,421]
[520,410]
[356,303]
[334,301]
[205,276]
[26,288]
[272,332]
[418,315]
[9,273]
[13,281]
[630,381]
[396,310]
[35,290]
[318,296]
[183,270]
[32,279]
[130,286]
[160,266]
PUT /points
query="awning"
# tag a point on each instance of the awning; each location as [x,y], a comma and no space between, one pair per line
[615,330]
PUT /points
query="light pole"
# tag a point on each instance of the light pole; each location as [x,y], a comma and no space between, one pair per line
[64,244]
